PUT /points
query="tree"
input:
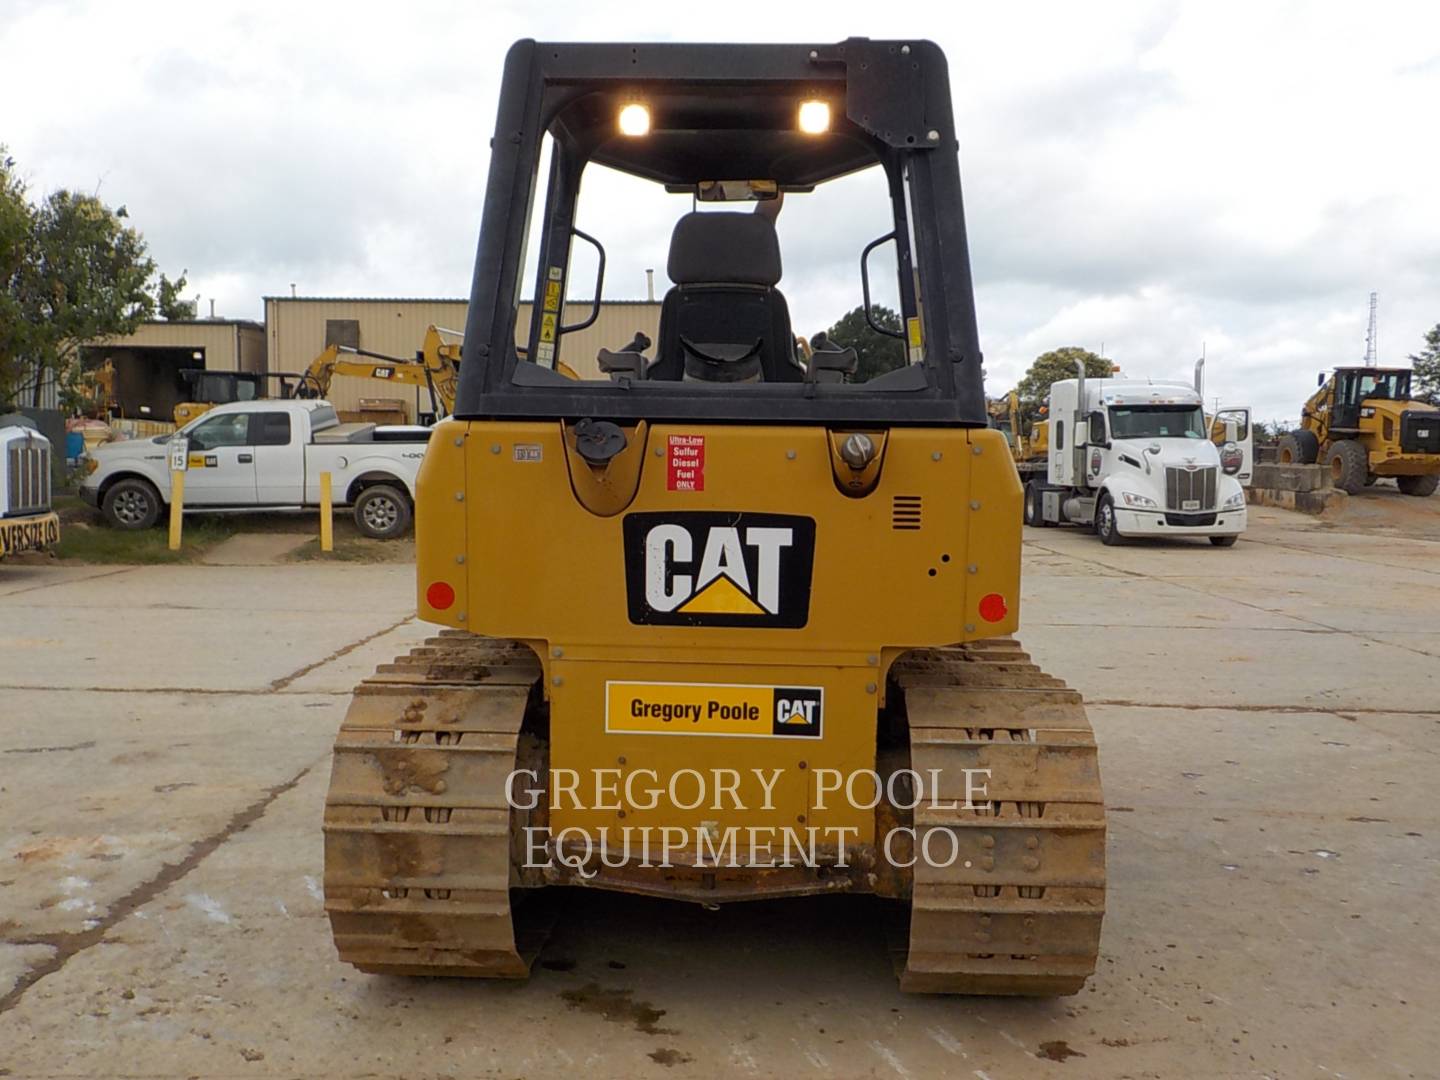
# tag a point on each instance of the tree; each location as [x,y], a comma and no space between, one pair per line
[878,353]
[88,278]
[1427,368]
[1051,367]
[72,270]
[16,221]
[168,303]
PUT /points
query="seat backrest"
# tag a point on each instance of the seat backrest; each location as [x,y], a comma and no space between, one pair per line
[724,321]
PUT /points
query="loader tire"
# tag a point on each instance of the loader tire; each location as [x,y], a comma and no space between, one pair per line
[132,504]
[1349,464]
[1298,448]
[1418,485]
[382,512]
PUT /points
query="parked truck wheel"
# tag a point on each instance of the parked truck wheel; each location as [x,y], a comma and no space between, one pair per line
[1032,506]
[382,512]
[1105,526]
[1418,485]
[1349,465]
[132,504]
[1224,541]
[1298,448]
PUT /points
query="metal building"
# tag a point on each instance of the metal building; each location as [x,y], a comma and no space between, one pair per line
[147,363]
[299,328]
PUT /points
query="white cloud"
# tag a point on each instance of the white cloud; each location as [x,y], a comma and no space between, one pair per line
[1152,177]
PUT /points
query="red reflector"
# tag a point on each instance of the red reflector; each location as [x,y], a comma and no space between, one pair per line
[993,608]
[440,596]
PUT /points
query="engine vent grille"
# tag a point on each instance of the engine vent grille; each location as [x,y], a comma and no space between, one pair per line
[28,474]
[1190,491]
[905,512]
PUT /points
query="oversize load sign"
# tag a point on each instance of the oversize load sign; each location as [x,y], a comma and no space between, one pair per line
[783,712]
[719,569]
[31,534]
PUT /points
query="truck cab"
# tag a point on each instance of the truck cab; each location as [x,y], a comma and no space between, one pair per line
[27,522]
[1134,457]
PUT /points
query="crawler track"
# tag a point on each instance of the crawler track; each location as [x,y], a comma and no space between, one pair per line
[418,833]
[422,851]
[1018,911]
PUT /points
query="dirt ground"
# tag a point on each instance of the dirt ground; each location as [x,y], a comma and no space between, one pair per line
[1269,723]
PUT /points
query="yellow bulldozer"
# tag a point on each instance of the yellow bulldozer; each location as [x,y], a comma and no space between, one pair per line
[1363,425]
[720,625]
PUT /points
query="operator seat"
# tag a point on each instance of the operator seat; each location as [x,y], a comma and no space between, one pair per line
[724,321]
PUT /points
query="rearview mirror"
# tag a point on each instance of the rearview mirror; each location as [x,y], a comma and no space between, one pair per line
[736,190]
[1097,430]
[1320,379]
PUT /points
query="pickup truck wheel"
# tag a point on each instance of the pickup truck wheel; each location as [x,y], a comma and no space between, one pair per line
[132,504]
[1224,541]
[382,512]
[1105,526]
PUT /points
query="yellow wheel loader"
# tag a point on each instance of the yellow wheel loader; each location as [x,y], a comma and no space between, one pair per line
[723,624]
[1363,425]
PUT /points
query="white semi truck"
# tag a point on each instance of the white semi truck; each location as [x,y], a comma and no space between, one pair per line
[1134,458]
[27,521]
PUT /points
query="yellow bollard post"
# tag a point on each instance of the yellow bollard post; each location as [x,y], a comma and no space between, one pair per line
[327,518]
[177,508]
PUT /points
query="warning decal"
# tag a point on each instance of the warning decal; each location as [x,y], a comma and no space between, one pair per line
[685,463]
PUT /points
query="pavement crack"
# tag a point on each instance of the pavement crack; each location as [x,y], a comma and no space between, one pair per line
[50,749]
[68,581]
[210,690]
[282,683]
[1342,711]
[68,945]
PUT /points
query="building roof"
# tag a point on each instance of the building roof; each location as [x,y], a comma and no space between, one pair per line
[204,322]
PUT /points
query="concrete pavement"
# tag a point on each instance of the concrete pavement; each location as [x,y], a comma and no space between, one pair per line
[1268,725]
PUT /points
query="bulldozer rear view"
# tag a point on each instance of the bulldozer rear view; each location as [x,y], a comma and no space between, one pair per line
[723,623]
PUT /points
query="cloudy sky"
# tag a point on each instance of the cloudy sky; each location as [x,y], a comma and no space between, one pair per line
[1149,176]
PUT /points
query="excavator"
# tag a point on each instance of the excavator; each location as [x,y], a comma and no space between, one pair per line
[436,367]
[720,625]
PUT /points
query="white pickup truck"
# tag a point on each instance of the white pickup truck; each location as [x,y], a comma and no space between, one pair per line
[264,455]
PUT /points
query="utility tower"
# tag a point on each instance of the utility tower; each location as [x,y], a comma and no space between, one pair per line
[1370,341]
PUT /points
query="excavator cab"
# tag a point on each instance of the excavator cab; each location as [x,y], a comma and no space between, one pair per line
[726,618]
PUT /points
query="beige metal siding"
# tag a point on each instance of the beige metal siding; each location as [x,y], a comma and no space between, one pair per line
[614,328]
[217,339]
[250,343]
[396,327]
